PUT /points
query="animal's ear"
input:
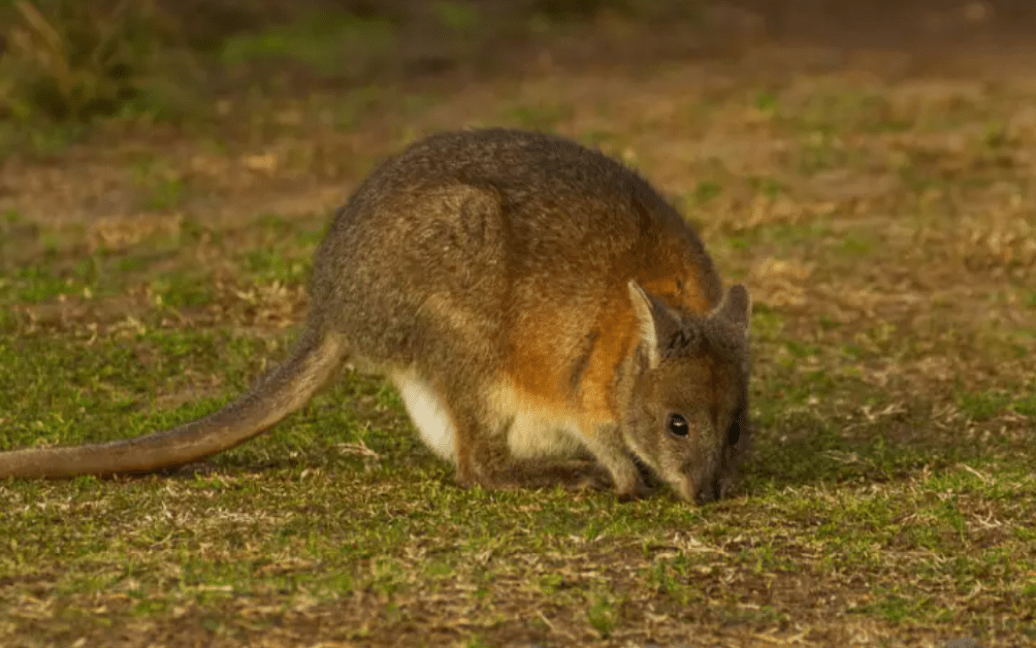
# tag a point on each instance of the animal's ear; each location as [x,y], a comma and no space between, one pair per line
[656,324]
[736,308]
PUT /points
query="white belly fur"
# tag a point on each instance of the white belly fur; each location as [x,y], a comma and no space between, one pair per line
[428,413]
[532,429]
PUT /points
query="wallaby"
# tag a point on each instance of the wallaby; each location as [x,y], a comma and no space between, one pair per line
[548,318]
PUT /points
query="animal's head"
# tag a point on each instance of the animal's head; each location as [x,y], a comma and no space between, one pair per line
[687,417]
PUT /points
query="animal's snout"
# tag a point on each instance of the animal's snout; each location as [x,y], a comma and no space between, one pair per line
[700,491]
[700,482]
[710,491]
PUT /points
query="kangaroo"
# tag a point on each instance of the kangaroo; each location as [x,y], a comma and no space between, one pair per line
[547,317]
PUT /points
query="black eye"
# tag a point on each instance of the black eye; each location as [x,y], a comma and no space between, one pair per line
[677,425]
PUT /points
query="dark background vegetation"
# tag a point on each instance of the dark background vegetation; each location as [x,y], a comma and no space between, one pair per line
[64,59]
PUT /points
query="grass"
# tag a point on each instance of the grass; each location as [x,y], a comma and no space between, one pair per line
[881,222]
[328,43]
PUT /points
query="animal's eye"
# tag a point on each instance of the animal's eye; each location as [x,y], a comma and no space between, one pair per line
[677,425]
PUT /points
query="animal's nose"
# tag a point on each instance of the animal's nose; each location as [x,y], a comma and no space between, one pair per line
[707,492]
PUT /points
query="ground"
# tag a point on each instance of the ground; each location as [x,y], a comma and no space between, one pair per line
[870,176]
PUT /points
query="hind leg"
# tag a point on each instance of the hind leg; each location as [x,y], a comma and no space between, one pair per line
[456,429]
[492,466]
[484,457]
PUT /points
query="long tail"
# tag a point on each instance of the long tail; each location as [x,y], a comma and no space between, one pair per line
[284,390]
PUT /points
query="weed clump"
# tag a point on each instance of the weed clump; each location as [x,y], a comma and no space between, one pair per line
[73,60]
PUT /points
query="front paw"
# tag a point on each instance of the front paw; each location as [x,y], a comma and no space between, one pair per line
[591,477]
[632,488]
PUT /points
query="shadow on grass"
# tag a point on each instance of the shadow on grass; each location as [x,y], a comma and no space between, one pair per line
[809,453]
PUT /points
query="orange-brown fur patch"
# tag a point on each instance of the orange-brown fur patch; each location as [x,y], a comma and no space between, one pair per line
[544,346]
[540,350]
[669,276]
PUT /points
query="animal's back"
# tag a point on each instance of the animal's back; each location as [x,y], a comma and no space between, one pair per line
[487,234]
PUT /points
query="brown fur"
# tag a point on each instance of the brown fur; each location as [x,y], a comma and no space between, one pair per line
[548,318]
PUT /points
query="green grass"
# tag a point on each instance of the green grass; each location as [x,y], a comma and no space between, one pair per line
[984,406]
[341,512]
[543,116]
[331,43]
